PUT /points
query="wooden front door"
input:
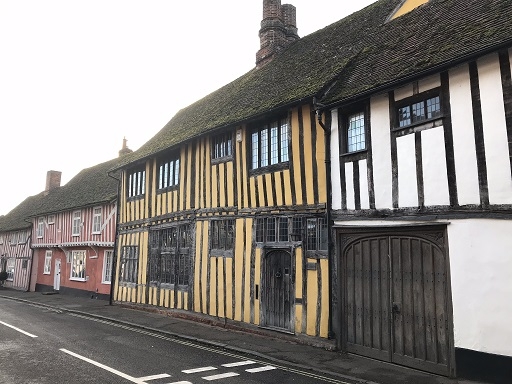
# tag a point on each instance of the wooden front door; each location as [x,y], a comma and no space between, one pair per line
[277,292]
[396,299]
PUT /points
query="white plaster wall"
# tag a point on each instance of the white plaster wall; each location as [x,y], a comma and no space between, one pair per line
[363,184]
[481,273]
[435,178]
[335,161]
[495,134]
[349,177]
[403,92]
[429,83]
[381,151]
[407,183]
[463,136]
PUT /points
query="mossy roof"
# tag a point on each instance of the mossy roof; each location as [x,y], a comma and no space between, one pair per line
[357,54]
[89,187]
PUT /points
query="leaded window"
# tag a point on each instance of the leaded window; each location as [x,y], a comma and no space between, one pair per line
[40,227]
[222,146]
[223,235]
[171,255]
[272,229]
[129,264]
[269,144]
[9,268]
[169,172]
[136,182]
[356,140]
[316,234]
[418,108]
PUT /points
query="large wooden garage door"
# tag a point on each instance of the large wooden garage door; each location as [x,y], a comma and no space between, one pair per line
[396,300]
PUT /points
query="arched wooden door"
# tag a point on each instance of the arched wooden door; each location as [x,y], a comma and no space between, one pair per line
[397,300]
[277,290]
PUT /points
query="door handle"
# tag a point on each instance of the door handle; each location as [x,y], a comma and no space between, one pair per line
[396,308]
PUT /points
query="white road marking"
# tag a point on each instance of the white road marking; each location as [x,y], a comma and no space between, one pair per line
[154,377]
[17,329]
[196,370]
[181,382]
[221,376]
[260,369]
[238,364]
[111,370]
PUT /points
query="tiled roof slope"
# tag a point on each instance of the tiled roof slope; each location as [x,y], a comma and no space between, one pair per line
[16,218]
[90,186]
[363,51]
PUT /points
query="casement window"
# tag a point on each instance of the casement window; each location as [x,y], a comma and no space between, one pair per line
[96,220]
[169,172]
[222,237]
[47,263]
[1,239]
[107,267]
[418,109]
[13,239]
[51,219]
[222,146]
[269,144]
[129,264]
[40,227]
[316,234]
[356,133]
[272,230]
[171,256]
[136,182]
[77,223]
[78,265]
[22,237]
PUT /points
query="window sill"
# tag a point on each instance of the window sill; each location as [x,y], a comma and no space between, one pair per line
[106,282]
[77,279]
[221,253]
[96,233]
[167,189]
[46,273]
[134,198]
[75,235]
[219,160]
[269,168]
[421,125]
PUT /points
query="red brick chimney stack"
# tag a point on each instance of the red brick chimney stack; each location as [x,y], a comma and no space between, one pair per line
[52,181]
[125,150]
[278,29]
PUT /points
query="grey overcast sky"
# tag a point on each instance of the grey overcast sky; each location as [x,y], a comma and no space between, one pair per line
[76,76]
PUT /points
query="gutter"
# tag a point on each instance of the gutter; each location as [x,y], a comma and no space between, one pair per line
[113,276]
[330,245]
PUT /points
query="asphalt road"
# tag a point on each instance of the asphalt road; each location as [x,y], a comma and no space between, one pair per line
[38,345]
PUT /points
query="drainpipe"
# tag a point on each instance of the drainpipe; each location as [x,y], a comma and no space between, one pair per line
[113,276]
[330,258]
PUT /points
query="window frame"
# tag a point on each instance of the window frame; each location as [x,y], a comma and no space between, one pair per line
[321,230]
[169,172]
[222,147]
[10,266]
[129,264]
[136,183]
[76,223]
[422,97]
[96,220]
[108,260]
[1,239]
[220,230]
[47,269]
[281,160]
[40,227]
[344,126]
[81,275]
[51,219]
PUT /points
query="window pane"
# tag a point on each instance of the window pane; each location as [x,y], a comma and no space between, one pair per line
[177,172]
[404,116]
[260,228]
[283,229]
[356,135]
[264,148]
[433,107]
[171,173]
[322,229]
[274,151]
[255,150]
[418,112]
[284,142]
[271,230]
[311,234]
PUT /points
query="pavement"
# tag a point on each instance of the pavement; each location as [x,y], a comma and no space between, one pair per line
[276,348]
